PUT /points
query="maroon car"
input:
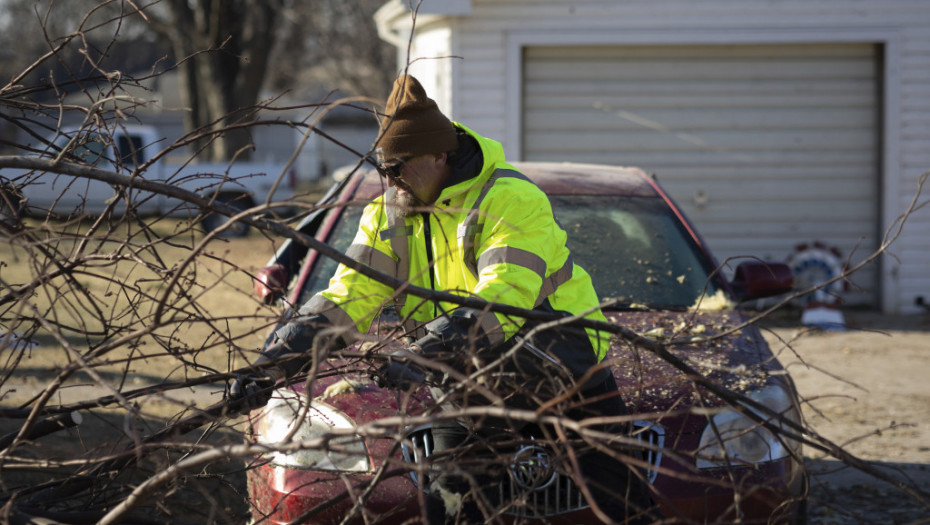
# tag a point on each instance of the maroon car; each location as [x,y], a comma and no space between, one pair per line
[707,461]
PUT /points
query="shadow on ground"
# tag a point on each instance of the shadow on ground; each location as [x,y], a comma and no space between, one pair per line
[214,494]
[843,495]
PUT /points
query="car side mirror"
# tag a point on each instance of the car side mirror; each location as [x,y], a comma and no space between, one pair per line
[270,282]
[756,279]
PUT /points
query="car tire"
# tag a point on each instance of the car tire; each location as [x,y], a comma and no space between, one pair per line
[212,221]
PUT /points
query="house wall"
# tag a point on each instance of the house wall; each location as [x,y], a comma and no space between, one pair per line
[487,39]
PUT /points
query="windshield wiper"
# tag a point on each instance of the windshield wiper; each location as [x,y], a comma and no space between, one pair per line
[625,305]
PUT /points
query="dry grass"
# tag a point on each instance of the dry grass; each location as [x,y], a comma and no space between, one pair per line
[98,319]
[211,321]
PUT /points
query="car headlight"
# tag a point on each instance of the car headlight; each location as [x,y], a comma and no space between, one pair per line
[731,438]
[279,418]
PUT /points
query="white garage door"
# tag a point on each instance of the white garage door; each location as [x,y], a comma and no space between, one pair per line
[764,146]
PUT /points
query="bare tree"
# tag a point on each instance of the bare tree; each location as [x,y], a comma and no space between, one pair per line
[227,54]
[229,51]
[334,43]
[58,54]
[223,50]
[135,323]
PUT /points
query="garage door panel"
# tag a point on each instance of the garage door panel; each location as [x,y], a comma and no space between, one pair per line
[665,162]
[850,249]
[846,215]
[848,190]
[604,117]
[782,173]
[570,88]
[698,140]
[764,146]
[704,51]
[777,232]
[613,100]
[736,70]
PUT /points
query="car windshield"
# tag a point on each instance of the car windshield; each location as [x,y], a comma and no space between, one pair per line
[637,252]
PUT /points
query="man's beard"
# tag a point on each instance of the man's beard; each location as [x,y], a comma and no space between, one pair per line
[399,206]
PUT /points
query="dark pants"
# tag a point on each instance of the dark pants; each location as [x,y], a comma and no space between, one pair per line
[615,487]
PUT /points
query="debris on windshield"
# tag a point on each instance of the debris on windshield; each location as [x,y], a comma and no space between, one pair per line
[697,331]
[657,334]
[719,302]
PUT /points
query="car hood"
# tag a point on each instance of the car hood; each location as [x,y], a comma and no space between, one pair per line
[717,345]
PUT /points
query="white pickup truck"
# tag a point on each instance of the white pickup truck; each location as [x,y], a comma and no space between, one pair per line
[239,184]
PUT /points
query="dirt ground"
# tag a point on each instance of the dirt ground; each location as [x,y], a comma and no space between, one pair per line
[867,388]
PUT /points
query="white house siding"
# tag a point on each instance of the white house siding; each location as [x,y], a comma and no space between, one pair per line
[489,37]
[913,248]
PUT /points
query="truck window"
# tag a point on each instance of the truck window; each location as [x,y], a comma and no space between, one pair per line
[130,150]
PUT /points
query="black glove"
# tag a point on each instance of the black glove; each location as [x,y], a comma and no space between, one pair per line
[454,334]
[399,372]
[250,391]
[289,353]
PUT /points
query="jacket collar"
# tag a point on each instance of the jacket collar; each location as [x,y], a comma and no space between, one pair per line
[478,157]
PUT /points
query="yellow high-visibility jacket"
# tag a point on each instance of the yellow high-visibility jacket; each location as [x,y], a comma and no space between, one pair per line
[492,236]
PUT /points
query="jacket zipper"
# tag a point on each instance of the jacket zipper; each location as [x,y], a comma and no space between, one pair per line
[429,257]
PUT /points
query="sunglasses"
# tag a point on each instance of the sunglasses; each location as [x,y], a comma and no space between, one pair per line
[392,170]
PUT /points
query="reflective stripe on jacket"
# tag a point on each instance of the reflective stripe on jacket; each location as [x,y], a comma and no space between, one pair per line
[492,236]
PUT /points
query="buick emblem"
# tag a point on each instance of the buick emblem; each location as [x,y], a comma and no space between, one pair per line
[532,468]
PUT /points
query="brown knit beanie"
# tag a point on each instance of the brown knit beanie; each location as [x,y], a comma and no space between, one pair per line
[414,125]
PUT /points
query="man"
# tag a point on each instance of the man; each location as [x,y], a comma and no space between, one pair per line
[457,218]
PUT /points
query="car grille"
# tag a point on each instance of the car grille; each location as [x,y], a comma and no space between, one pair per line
[543,496]
[652,435]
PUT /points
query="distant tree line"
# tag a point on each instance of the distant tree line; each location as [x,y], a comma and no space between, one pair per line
[228,54]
